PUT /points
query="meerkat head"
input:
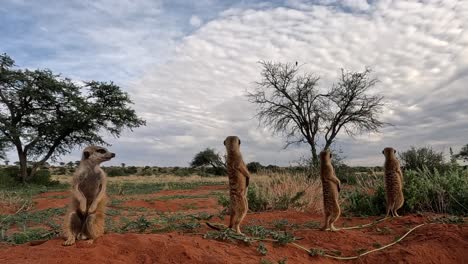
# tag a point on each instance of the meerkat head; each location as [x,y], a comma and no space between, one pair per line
[97,154]
[325,155]
[389,152]
[232,142]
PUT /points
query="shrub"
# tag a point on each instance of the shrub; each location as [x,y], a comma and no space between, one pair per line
[424,190]
[283,191]
[115,171]
[9,176]
[425,157]
[434,191]
[254,167]
[42,177]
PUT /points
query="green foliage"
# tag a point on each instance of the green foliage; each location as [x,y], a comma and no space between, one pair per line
[434,191]
[463,154]
[145,188]
[9,177]
[208,157]
[262,249]
[419,158]
[423,189]
[29,235]
[54,114]
[43,178]
[254,167]
[257,201]
[140,225]
[361,203]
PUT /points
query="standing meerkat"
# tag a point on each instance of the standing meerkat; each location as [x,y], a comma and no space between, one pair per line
[85,218]
[331,189]
[238,182]
[393,182]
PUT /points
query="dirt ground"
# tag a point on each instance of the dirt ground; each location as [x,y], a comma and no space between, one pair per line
[434,242]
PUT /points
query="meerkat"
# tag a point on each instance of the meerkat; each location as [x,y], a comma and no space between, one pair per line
[239,178]
[85,218]
[331,189]
[393,182]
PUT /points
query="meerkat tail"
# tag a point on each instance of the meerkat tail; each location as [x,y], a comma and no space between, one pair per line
[216,226]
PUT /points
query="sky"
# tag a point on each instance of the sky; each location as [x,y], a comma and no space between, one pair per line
[188,65]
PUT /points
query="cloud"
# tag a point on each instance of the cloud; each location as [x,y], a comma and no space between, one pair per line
[195,21]
[193,93]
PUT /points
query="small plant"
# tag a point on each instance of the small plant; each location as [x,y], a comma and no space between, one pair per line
[376,245]
[311,224]
[283,237]
[360,251]
[316,252]
[141,224]
[262,249]
[283,261]
[265,261]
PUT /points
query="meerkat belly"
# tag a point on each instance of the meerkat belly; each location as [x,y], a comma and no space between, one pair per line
[237,184]
[392,181]
[91,187]
[330,193]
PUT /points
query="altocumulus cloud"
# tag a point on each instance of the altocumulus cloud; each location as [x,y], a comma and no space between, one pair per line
[195,97]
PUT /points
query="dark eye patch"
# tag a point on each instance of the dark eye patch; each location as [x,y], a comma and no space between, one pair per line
[102,151]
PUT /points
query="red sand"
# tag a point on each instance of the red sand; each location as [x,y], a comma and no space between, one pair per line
[187,205]
[432,243]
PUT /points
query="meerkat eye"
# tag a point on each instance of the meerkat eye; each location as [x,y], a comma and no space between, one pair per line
[102,151]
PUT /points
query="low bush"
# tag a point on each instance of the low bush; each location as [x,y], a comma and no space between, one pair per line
[283,191]
[424,190]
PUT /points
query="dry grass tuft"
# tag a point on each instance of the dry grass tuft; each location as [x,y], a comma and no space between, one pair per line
[286,191]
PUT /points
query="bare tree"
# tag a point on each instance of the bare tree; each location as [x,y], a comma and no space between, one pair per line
[292,104]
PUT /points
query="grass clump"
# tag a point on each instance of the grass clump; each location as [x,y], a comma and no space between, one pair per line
[425,190]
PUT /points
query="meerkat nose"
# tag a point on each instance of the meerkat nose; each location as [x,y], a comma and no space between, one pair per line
[113,155]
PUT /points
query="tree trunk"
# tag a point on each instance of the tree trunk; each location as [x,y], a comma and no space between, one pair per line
[315,159]
[23,165]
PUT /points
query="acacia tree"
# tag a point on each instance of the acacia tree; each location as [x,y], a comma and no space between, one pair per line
[463,154]
[43,115]
[293,105]
[207,157]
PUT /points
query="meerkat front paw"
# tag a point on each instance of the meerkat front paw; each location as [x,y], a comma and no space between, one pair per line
[70,241]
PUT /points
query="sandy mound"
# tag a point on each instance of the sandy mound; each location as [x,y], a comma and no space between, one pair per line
[432,243]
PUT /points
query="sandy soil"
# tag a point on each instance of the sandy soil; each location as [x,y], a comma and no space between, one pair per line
[432,243]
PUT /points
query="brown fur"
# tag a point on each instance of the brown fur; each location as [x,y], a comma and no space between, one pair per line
[85,217]
[393,182]
[331,188]
[238,182]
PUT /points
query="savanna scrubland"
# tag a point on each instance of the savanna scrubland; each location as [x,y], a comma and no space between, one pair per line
[158,214]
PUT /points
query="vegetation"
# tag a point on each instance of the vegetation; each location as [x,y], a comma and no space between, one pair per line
[43,115]
[292,104]
[209,157]
[420,158]
[281,191]
[463,154]
[424,190]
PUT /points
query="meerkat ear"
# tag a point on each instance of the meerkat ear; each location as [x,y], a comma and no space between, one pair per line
[86,154]
[239,141]
[331,155]
[394,151]
[383,152]
[224,142]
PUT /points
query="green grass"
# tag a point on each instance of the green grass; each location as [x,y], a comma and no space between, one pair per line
[146,188]
[36,217]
